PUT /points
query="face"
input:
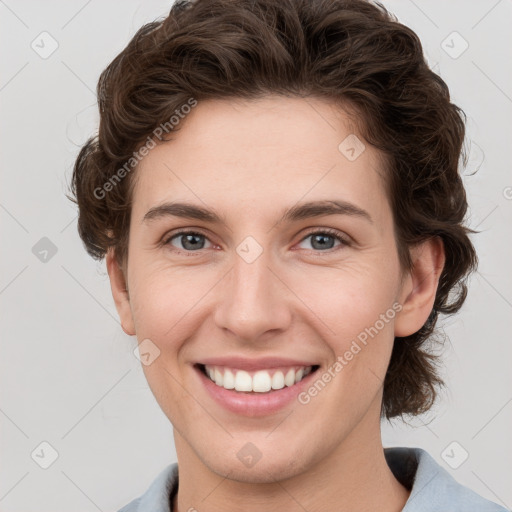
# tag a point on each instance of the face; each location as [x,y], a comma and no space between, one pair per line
[265,287]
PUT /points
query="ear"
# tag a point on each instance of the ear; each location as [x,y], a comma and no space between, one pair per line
[419,288]
[120,292]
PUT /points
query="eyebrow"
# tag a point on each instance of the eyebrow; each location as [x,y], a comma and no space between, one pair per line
[298,212]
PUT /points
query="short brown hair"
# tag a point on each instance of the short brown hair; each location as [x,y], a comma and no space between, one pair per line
[340,50]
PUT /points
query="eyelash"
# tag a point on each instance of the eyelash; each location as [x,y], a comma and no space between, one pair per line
[328,231]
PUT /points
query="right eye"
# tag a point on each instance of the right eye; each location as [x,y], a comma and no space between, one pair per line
[190,241]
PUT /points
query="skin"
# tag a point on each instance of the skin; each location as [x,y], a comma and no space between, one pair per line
[249,161]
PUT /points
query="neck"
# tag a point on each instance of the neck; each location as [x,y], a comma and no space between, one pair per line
[354,477]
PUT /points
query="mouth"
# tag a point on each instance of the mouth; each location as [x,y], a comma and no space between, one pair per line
[264,381]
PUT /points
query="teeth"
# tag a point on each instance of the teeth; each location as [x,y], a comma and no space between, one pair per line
[219,377]
[289,380]
[278,380]
[261,381]
[229,380]
[243,381]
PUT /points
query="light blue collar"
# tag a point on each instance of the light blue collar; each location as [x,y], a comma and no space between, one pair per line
[433,488]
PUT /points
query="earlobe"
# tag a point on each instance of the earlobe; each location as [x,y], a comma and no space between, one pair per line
[120,292]
[419,289]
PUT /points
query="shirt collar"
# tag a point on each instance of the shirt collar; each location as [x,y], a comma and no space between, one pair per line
[432,488]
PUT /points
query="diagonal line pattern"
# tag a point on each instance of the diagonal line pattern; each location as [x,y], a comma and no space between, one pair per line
[427,427]
[495,289]
[288,492]
[85,494]
[14,423]
[301,300]
[76,14]
[305,99]
[376,376]
[216,487]
[69,224]
[488,215]
[200,299]
[78,78]
[13,13]
[306,193]
[13,279]
[5,495]
[490,490]
[102,397]
[90,294]
[413,496]
[424,13]
[486,14]
[492,81]
[501,409]
[280,423]
[188,188]
[14,76]
[14,218]
[197,401]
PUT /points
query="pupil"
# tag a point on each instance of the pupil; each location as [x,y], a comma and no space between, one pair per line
[189,239]
[322,238]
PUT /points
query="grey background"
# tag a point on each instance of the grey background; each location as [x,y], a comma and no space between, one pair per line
[68,373]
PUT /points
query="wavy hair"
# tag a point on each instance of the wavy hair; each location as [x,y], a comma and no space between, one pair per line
[346,51]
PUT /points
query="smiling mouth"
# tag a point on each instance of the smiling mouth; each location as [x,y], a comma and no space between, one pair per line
[261,381]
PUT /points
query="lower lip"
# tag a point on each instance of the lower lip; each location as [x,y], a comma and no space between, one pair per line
[253,404]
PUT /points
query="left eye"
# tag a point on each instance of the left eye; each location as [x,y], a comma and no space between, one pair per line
[324,239]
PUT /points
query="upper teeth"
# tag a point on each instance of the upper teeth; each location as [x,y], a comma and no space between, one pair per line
[260,381]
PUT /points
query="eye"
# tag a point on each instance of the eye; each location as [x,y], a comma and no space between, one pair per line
[190,241]
[323,240]
[193,241]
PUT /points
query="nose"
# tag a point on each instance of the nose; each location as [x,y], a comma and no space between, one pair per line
[254,301]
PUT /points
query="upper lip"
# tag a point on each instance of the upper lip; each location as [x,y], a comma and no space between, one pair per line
[263,363]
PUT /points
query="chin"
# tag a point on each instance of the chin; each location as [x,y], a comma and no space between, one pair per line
[263,472]
[268,469]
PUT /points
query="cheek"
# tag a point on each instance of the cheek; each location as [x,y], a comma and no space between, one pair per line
[352,300]
[342,302]
[360,339]
[362,319]
[356,305]
[162,297]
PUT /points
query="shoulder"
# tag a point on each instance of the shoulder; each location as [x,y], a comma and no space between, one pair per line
[157,497]
[433,489]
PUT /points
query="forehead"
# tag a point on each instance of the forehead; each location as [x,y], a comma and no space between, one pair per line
[262,153]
